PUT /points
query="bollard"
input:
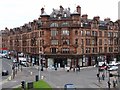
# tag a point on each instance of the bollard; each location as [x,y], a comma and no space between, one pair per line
[9,78]
[42,77]
[31,73]
[36,78]
[23,84]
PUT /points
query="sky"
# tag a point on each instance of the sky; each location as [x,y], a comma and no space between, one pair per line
[15,13]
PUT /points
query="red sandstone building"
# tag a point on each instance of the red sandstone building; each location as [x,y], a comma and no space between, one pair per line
[65,38]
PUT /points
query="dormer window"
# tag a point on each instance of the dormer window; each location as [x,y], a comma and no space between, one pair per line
[59,17]
[65,15]
[54,15]
[54,25]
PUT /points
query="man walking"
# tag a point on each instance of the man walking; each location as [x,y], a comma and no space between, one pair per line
[98,76]
[103,76]
[109,84]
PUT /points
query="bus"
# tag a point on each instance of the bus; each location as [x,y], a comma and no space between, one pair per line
[3,52]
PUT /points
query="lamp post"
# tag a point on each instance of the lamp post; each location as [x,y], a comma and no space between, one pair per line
[119,51]
[98,59]
[39,68]
[17,43]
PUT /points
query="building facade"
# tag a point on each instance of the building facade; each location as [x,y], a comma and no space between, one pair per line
[65,39]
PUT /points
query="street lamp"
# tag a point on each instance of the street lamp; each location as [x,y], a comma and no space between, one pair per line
[119,51]
[39,68]
[17,42]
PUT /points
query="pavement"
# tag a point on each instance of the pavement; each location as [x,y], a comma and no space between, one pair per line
[95,84]
[28,74]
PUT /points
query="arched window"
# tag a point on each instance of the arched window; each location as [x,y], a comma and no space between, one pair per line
[54,15]
[65,15]
[54,25]
[76,32]
[65,32]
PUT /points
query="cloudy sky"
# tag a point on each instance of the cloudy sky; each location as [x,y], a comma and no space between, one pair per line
[15,13]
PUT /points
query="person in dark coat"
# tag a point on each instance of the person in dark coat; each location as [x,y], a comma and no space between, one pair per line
[98,76]
[109,84]
[103,76]
[114,84]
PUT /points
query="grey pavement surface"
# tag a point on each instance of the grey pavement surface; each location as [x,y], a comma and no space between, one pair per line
[86,78]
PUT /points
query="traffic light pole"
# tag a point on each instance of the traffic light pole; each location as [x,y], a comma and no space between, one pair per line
[39,66]
[109,75]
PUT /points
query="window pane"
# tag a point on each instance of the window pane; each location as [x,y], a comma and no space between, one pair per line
[54,42]
[54,32]
[65,32]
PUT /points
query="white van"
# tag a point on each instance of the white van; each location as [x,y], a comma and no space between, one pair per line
[23,61]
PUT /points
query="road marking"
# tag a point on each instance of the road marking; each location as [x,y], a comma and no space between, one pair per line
[97,85]
[16,86]
[3,82]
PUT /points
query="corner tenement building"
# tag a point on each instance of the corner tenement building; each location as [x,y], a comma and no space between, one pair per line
[65,38]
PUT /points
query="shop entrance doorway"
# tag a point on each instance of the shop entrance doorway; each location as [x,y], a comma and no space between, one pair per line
[60,62]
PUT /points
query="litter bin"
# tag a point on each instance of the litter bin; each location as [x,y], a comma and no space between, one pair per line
[41,68]
[36,78]
[30,85]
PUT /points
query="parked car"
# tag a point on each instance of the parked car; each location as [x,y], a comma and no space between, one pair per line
[24,63]
[113,63]
[2,55]
[8,57]
[69,87]
[14,60]
[5,72]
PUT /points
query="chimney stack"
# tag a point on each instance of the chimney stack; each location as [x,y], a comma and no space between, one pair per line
[78,9]
[42,11]
[96,18]
[84,16]
[107,19]
[61,7]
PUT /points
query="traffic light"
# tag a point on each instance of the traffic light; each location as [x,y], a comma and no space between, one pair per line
[23,84]
[110,75]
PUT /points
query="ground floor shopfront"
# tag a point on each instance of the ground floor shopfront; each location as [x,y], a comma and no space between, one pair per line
[69,60]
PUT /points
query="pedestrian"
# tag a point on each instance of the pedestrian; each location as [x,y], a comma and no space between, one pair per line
[103,76]
[116,81]
[98,76]
[13,67]
[114,84]
[18,66]
[109,84]
[74,68]
[79,68]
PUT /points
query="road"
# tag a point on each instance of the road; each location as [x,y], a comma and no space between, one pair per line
[86,78]
[6,65]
